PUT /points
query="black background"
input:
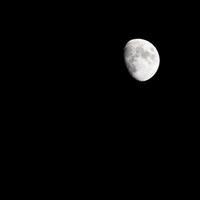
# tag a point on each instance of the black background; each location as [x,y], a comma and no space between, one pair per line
[67,61]
[74,104]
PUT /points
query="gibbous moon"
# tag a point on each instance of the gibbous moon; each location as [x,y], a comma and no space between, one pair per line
[142,59]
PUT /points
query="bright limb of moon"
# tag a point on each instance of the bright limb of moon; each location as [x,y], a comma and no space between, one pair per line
[142,59]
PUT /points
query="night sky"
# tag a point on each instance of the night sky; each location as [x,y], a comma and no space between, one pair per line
[70,59]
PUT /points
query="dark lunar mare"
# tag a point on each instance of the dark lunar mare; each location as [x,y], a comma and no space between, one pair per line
[142,52]
[131,65]
[128,52]
[130,59]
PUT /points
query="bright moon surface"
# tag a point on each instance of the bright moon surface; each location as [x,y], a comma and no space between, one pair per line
[142,59]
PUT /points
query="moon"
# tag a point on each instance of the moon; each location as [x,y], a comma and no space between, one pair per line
[142,59]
